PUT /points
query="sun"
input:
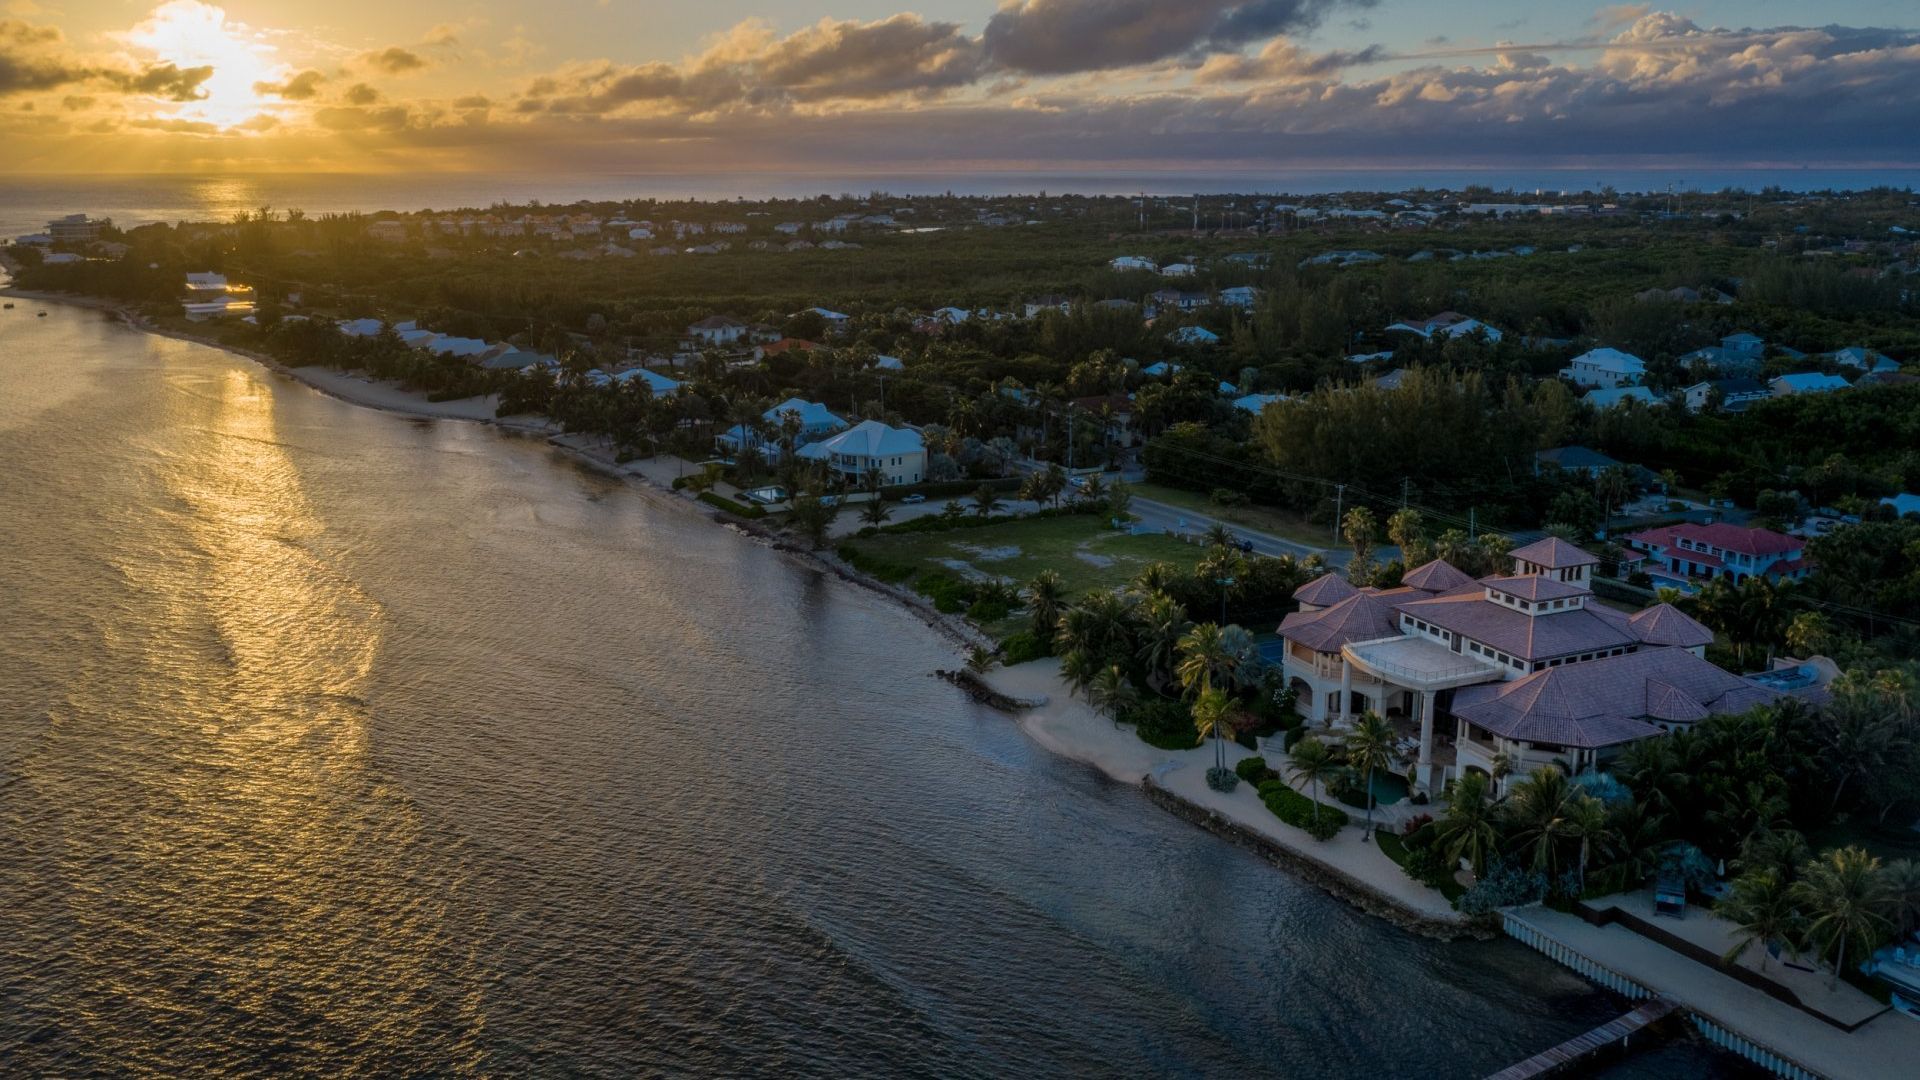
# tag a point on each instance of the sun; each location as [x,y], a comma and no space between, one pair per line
[190,34]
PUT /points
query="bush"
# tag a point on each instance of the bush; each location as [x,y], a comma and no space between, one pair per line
[731,507]
[949,594]
[1222,779]
[1321,822]
[1255,770]
[1502,886]
[988,611]
[1022,647]
[1411,830]
[1164,723]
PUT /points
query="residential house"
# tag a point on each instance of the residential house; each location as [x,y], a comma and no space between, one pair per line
[1521,667]
[1744,346]
[1450,324]
[1161,369]
[1132,262]
[815,419]
[782,346]
[1573,459]
[1806,382]
[1734,394]
[210,296]
[717,330]
[1863,359]
[1694,553]
[76,229]
[1194,335]
[1256,403]
[898,453]
[888,363]
[1605,368]
[1179,269]
[1614,397]
[1049,302]
[834,319]
[1239,296]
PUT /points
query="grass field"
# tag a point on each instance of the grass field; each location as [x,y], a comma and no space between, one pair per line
[1087,555]
[1266,519]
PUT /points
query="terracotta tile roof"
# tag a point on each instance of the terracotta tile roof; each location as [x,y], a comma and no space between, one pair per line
[1360,617]
[1534,587]
[1605,702]
[1720,535]
[1437,576]
[1468,613]
[1664,624]
[1325,591]
[1554,554]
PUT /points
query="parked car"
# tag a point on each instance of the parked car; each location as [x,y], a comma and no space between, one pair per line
[916,497]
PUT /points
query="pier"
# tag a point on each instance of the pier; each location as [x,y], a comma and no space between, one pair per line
[1613,1035]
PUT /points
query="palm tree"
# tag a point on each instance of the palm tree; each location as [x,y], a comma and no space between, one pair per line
[1369,747]
[1613,485]
[1778,852]
[1538,806]
[1809,633]
[1503,765]
[1902,877]
[875,511]
[1112,693]
[1153,578]
[1761,905]
[1313,762]
[980,659]
[1407,529]
[1043,595]
[1846,901]
[1466,830]
[1219,536]
[1055,483]
[1101,626]
[1588,823]
[1360,528]
[1205,661]
[1163,623]
[1210,719]
[1094,490]
[986,500]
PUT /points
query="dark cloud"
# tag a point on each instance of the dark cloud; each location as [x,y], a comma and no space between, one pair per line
[1057,37]
[390,119]
[847,61]
[394,61]
[302,87]
[475,101]
[32,58]
[360,94]
[1283,61]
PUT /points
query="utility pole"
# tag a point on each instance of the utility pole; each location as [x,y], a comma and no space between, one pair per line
[1339,495]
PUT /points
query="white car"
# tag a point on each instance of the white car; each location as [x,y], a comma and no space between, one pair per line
[914,498]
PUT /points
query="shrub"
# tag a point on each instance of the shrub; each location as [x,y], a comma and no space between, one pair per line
[1222,779]
[1411,830]
[1427,866]
[1321,822]
[949,594]
[679,482]
[987,611]
[1255,770]
[1022,647]
[1501,886]
[1163,722]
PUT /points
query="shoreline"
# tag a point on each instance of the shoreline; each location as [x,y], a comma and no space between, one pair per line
[1054,720]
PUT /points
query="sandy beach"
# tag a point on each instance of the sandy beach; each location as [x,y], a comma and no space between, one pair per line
[1068,726]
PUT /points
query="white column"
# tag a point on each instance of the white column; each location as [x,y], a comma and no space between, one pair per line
[1426,738]
[1346,688]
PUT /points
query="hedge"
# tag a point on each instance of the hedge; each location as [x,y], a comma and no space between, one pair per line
[730,506]
[1255,770]
[1297,810]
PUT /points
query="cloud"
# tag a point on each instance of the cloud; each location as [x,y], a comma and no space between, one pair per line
[393,60]
[829,61]
[1283,61]
[302,87]
[166,81]
[443,35]
[361,94]
[1057,37]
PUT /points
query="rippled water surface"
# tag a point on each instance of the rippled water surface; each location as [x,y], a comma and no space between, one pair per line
[337,743]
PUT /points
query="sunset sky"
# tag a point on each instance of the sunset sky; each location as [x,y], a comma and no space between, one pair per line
[650,86]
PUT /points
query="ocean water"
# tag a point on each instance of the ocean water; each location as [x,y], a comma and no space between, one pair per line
[336,743]
[28,202]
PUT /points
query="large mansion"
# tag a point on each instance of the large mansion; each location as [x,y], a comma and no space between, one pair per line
[1527,665]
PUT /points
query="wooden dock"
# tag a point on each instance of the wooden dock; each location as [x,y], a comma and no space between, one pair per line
[1574,1052]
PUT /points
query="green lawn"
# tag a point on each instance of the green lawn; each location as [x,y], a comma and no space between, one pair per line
[1395,848]
[1087,555]
[1266,519]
